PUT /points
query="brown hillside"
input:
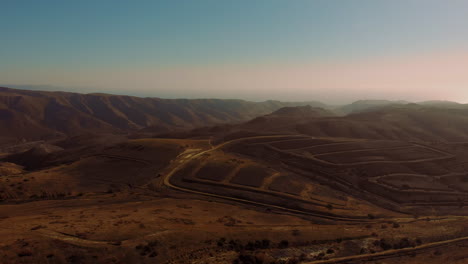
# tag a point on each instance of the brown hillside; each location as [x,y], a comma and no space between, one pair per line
[39,114]
[406,122]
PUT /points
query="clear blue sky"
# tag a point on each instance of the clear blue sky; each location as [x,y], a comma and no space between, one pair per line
[147,47]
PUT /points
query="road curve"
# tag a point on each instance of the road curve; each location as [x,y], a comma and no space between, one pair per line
[168,183]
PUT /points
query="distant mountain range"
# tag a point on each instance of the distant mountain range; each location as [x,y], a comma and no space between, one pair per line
[43,114]
[33,115]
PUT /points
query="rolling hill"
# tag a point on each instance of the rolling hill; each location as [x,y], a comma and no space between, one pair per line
[43,114]
[410,122]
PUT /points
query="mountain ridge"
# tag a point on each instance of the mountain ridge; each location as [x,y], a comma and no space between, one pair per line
[38,114]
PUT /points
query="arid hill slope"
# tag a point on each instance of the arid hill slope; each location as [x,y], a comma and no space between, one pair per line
[39,114]
[405,122]
[411,122]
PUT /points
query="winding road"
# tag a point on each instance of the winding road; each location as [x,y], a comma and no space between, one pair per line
[167,182]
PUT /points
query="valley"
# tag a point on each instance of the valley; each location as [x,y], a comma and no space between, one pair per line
[260,191]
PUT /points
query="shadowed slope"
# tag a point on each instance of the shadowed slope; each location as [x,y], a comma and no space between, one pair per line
[398,122]
[39,114]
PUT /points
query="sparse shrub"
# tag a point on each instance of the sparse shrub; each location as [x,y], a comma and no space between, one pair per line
[75,259]
[404,243]
[153,243]
[245,259]
[296,232]
[376,243]
[258,244]
[385,245]
[235,245]
[266,243]
[221,242]
[418,241]
[38,227]
[25,253]
[249,246]
[148,250]
[283,244]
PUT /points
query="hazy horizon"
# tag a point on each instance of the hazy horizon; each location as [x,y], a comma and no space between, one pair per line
[335,52]
[85,90]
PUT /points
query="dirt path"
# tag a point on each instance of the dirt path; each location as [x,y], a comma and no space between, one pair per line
[146,162]
[343,142]
[362,150]
[311,157]
[231,175]
[267,182]
[390,253]
[451,191]
[74,240]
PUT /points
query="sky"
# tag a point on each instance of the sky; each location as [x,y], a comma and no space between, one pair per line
[335,51]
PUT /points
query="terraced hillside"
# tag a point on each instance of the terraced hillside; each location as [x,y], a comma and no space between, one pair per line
[320,175]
